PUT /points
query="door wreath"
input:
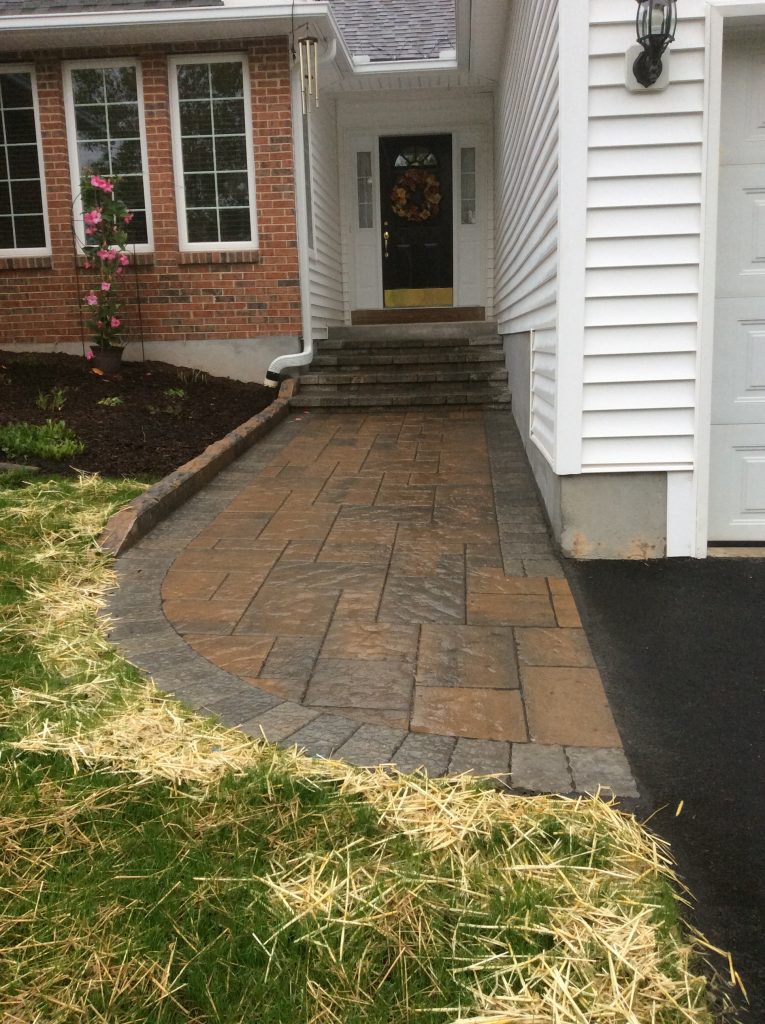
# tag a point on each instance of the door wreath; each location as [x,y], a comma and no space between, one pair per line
[416,196]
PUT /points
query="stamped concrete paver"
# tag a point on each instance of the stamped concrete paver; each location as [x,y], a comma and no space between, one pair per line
[377,586]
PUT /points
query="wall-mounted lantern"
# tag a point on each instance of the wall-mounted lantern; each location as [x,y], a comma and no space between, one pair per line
[308,51]
[656,24]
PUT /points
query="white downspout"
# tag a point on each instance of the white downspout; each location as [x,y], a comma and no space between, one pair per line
[305,357]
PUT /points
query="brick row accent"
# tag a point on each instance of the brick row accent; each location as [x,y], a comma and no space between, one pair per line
[184,295]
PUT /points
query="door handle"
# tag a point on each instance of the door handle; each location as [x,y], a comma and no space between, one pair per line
[386,236]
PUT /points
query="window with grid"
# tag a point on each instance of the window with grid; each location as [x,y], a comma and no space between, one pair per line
[212,122]
[109,134]
[22,213]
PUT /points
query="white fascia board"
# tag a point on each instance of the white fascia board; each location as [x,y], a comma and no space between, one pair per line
[402,67]
[170,15]
[66,29]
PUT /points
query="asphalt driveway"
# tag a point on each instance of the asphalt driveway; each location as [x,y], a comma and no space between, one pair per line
[681,648]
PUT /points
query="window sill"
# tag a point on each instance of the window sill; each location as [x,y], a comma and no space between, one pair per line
[26,262]
[227,256]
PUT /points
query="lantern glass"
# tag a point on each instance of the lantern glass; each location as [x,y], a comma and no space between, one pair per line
[656,21]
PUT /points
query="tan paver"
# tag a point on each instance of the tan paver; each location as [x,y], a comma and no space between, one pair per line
[242,655]
[492,580]
[510,610]
[568,706]
[467,656]
[476,714]
[351,640]
[564,604]
[361,683]
[194,584]
[562,647]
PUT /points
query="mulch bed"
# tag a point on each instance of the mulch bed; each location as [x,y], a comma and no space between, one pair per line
[149,434]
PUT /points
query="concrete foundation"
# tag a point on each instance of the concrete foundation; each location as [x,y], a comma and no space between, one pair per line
[598,515]
[614,515]
[245,359]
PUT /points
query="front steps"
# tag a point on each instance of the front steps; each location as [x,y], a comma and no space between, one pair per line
[395,365]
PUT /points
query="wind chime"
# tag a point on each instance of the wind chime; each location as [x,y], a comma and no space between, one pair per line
[308,51]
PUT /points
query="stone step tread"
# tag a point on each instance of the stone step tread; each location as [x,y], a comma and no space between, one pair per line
[456,329]
[342,378]
[404,344]
[308,400]
[433,360]
[436,387]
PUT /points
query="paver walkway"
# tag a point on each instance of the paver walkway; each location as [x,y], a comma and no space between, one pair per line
[379,587]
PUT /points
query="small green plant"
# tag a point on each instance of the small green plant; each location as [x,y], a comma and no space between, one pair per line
[53,400]
[53,440]
[176,398]
[190,375]
[111,402]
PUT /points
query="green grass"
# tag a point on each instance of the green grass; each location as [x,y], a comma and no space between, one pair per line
[51,440]
[157,868]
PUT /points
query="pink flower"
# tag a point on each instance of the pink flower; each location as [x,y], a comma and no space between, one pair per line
[88,355]
[124,259]
[87,265]
[92,299]
[127,218]
[118,270]
[102,183]
[93,217]
[105,286]
[115,321]
[107,254]
[90,231]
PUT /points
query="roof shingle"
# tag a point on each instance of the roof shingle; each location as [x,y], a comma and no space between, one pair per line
[397,29]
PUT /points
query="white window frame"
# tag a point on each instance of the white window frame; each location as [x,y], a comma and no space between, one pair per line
[9,69]
[71,137]
[175,122]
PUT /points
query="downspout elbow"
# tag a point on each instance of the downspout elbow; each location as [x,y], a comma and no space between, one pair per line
[304,358]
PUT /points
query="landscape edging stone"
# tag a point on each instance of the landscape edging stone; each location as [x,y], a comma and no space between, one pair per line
[134,521]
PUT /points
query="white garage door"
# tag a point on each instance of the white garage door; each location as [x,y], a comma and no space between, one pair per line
[737,496]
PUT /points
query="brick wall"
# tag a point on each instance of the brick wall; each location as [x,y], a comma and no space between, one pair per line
[183,295]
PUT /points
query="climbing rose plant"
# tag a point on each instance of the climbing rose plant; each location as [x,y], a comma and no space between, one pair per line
[106,220]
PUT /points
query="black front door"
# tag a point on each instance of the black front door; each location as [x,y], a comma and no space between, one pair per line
[416,199]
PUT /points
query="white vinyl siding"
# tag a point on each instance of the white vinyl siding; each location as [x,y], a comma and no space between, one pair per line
[526,200]
[326,262]
[526,176]
[643,249]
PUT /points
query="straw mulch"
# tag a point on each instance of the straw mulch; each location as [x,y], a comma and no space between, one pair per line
[522,910]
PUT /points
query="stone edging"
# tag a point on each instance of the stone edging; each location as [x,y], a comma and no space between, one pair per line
[128,525]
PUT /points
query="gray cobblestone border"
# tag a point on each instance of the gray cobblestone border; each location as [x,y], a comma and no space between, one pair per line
[140,631]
